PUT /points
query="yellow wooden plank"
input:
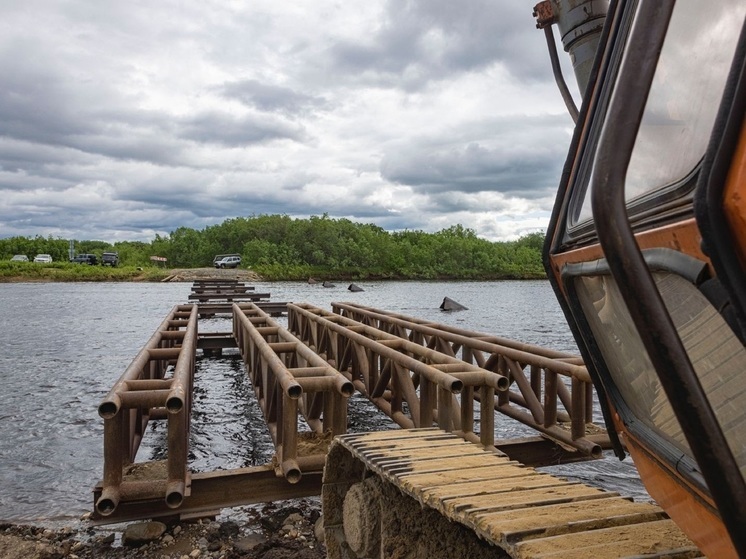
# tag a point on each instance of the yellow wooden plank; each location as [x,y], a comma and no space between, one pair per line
[608,543]
[551,520]
[529,478]
[519,497]
[506,469]
[403,456]
[456,462]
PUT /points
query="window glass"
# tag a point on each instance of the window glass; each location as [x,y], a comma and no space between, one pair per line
[684,97]
[717,355]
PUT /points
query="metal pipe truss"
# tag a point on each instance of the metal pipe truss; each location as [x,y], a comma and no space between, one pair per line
[414,385]
[535,373]
[290,380]
[157,384]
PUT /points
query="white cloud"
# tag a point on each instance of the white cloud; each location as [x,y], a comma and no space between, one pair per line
[123,120]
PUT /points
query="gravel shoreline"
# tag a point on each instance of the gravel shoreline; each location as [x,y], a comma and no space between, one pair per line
[272,532]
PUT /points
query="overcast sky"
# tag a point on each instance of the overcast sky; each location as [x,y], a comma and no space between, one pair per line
[120,120]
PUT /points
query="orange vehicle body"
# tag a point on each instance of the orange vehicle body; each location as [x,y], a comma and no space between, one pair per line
[686,237]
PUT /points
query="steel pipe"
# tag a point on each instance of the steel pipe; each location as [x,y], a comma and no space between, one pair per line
[524,353]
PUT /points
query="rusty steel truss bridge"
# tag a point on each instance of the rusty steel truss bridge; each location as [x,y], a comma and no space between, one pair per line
[419,374]
[426,377]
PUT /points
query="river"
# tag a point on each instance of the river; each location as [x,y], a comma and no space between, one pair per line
[63,345]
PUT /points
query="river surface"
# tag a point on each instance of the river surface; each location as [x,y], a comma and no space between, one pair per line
[63,345]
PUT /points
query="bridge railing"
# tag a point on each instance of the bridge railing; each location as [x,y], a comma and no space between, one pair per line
[412,384]
[156,385]
[290,381]
[551,391]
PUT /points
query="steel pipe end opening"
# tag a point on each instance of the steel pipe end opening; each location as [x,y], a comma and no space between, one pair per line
[503,383]
[174,499]
[596,451]
[108,409]
[291,471]
[174,494]
[295,391]
[108,502]
[347,389]
[174,404]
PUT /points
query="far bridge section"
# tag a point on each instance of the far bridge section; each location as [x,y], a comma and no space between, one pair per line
[420,375]
[215,297]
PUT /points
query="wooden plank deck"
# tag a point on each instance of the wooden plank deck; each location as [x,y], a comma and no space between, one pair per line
[527,513]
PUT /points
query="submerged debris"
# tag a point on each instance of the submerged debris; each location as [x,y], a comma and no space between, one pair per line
[451,305]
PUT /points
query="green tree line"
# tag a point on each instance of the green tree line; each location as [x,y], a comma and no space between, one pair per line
[281,247]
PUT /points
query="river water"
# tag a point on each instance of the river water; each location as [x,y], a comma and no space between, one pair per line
[63,345]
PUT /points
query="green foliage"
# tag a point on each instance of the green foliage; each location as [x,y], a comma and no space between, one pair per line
[280,247]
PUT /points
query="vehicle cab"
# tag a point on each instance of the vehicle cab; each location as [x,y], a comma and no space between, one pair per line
[646,250]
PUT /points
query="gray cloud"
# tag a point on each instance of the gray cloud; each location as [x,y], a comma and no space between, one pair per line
[272,98]
[519,157]
[424,40]
[474,168]
[231,130]
[122,121]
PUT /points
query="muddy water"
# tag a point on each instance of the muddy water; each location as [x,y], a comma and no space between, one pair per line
[62,346]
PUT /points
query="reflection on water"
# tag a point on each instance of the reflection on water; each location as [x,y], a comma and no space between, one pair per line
[64,345]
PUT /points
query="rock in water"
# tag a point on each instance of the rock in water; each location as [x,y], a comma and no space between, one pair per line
[451,305]
[355,288]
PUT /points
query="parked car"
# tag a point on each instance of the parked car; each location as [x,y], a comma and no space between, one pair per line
[43,258]
[89,259]
[19,258]
[228,262]
[219,257]
[110,259]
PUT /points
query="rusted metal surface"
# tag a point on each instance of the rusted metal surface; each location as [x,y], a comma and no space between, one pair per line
[544,14]
[416,381]
[539,397]
[230,296]
[225,308]
[216,297]
[413,384]
[519,511]
[221,290]
[158,383]
[212,491]
[231,289]
[290,380]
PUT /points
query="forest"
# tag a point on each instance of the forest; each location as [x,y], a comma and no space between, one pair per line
[279,247]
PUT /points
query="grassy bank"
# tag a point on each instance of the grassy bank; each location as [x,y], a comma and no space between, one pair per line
[64,272]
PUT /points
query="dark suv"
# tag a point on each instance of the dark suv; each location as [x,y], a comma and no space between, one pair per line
[89,259]
[109,259]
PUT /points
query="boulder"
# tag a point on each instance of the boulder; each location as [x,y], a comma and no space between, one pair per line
[142,533]
[451,305]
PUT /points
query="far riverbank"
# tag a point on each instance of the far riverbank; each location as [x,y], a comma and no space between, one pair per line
[15,272]
[37,273]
